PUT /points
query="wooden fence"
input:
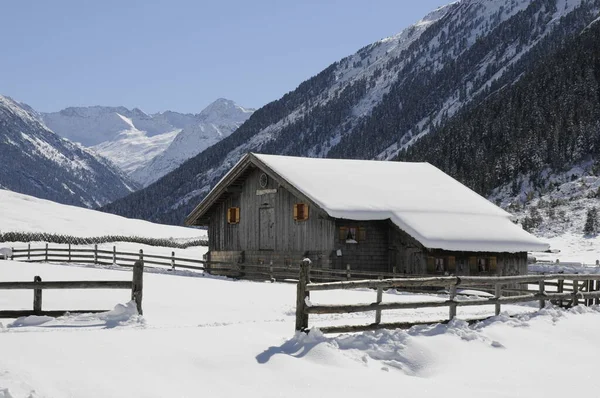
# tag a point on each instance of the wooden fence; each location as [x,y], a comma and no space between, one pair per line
[585,290]
[136,286]
[273,272]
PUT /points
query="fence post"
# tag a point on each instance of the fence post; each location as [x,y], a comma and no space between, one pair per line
[69,253]
[561,289]
[137,285]
[541,291]
[28,251]
[348,274]
[173,261]
[37,297]
[302,295]
[452,296]
[271,270]
[141,255]
[498,294]
[379,299]
[46,252]
[114,255]
[96,254]
[597,300]
[575,292]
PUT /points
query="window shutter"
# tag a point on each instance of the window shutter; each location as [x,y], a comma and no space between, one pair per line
[431,265]
[451,264]
[296,212]
[362,234]
[473,270]
[305,212]
[233,215]
[343,233]
[493,265]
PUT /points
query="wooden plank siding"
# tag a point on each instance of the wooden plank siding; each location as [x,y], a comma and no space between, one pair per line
[370,253]
[290,237]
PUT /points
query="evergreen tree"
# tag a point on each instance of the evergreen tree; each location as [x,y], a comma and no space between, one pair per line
[591,222]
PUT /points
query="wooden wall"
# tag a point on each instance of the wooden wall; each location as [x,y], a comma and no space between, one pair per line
[314,234]
[369,254]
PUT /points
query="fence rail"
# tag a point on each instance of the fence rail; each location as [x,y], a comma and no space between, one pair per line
[274,272]
[136,286]
[584,287]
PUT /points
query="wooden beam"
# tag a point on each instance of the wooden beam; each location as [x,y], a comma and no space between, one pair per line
[52,313]
[66,285]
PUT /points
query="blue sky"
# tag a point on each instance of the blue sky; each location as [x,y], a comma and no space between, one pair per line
[182,55]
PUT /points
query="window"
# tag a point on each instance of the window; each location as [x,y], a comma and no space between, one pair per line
[483,265]
[300,212]
[233,215]
[441,265]
[353,234]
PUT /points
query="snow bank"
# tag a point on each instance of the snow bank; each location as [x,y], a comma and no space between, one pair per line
[23,213]
[120,315]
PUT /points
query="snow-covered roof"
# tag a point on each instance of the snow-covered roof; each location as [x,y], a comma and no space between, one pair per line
[428,204]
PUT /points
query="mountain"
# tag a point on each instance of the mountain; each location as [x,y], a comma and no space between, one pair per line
[133,140]
[35,161]
[533,147]
[215,122]
[381,100]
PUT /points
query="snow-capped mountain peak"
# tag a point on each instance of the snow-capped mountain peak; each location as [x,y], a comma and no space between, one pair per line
[224,110]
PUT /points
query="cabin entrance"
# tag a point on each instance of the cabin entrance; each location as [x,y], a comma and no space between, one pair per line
[266,228]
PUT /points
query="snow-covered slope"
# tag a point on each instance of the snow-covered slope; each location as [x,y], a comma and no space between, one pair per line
[215,122]
[22,213]
[133,140]
[554,206]
[94,125]
[35,161]
[380,99]
[133,148]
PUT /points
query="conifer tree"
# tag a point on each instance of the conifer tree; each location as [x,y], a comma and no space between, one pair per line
[591,222]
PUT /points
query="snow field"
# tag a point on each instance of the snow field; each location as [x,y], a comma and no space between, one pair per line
[203,336]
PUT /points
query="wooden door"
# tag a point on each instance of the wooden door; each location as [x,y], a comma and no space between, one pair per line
[267,228]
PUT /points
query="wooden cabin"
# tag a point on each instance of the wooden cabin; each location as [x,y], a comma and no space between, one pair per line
[409,218]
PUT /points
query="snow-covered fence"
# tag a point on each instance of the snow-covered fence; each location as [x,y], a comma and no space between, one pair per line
[95,255]
[265,272]
[585,288]
[135,285]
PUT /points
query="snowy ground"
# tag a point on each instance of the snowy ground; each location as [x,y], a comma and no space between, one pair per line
[203,336]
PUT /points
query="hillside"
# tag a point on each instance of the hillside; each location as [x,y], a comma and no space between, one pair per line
[35,161]
[22,213]
[381,99]
[533,147]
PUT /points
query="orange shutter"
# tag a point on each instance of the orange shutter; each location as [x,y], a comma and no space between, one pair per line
[431,265]
[343,233]
[305,212]
[296,212]
[237,215]
[493,265]
[362,234]
[473,270]
[451,267]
